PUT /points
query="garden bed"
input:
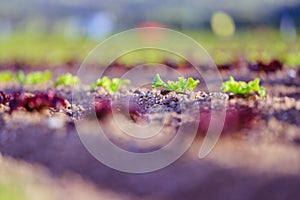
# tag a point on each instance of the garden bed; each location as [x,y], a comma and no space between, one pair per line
[257,154]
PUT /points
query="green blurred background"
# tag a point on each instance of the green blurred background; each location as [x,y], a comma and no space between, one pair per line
[61,31]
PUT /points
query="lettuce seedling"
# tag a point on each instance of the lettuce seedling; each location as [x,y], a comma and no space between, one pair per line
[178,86]
[108,84]
[6,76]
[34,78]
[158,82]
[67,79]
[243,88]
[21,77]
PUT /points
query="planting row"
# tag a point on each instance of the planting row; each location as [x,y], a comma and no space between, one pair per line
[112,85]
[50,99]
[39,77]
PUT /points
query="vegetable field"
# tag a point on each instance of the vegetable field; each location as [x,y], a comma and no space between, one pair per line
[256,156]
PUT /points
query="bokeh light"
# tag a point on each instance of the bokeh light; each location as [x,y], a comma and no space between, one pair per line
[222,24]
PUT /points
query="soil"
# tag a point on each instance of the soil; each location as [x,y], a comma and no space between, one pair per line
[256,157]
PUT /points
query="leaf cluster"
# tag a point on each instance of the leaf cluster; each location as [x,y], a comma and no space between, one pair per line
[243,88]
[6,76]
[67,79]
[111,85]
[36,102]
[34,78]
[177,86]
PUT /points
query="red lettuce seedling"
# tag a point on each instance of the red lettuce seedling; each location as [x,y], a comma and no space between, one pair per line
[16,101]
[137,113]
[3,98]
[102,107]
[273,66]
[37,102]
[42,101]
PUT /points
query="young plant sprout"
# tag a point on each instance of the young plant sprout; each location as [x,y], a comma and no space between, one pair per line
[21,77]
[6,76]
[177,86]
[36,102]
[108,84]
[243,88]
[34,78]
[67,79]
